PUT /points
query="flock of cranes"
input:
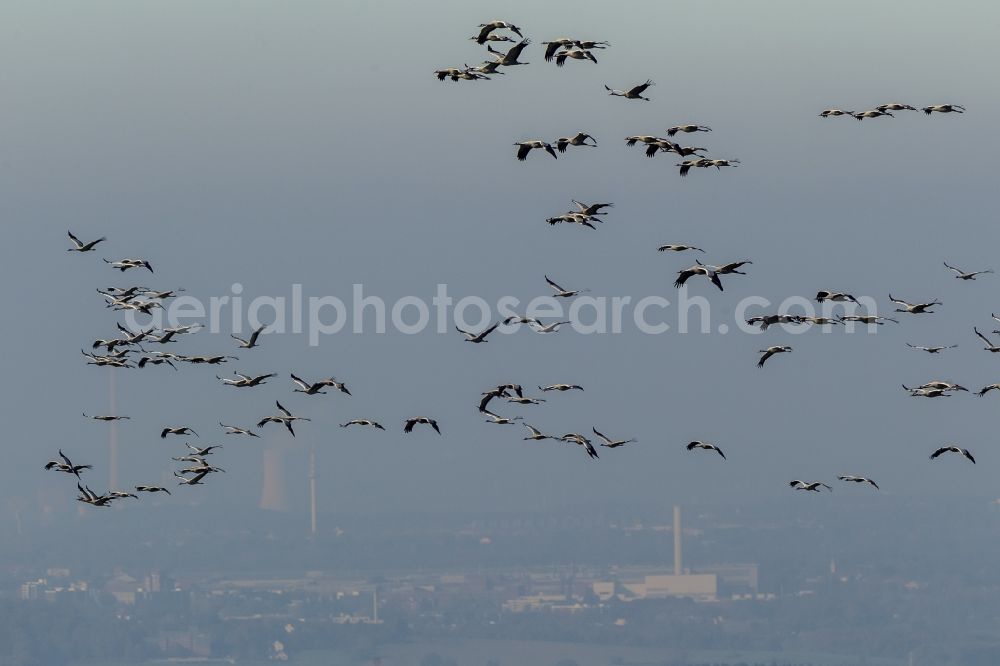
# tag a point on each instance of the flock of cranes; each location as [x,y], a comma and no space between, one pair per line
[588,215]
[887,109]
[129,349]
[134,350]
[562,49]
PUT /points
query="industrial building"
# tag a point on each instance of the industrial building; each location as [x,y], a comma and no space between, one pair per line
[706,583]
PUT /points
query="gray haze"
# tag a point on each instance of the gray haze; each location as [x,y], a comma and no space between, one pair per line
[278,143]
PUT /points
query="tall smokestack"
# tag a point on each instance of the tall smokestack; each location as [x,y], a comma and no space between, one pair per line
[272,495]
[113,437]
[312,491]
[677,541]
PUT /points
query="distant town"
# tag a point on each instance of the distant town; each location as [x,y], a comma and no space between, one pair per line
[677,612]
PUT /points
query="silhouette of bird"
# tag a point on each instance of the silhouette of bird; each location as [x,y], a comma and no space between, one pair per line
[575,54]
[80,246]
[966,275]
[126,264]
[477,337]
[536,434]
[697,444]
[152,489]
[107,417]
[859,479]
[727,269]
[914,308]
[771,351]
[930,350]
[990,347]
[245,381]
[525,147]
[549,328]
[285,418]
[192,481]
[868,319]
[687,165]
[813,486]
[564,293]
[64,464]
[580,440]
[363,422]
[408,425]
[578,139]
[251,342]
[553,46]
[561,387]
[612,443]
[632,93]
[501,420]
[177,430]
[315,388]
[510,58]
[492,37]
[873,113]
[203,451]
[943,108]
[678,248]
[684,275]
[487,28]
[836,296]
[591,209]
[951,448]
[236,430]
[895,106]
[687,129]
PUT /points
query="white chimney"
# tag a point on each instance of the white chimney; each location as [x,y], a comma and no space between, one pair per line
[677,541]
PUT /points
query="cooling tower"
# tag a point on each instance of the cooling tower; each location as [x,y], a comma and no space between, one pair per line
[272,494]
[677,542]
[312,491]
[113,434]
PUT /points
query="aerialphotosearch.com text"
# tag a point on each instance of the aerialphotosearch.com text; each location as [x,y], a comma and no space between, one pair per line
[585,314]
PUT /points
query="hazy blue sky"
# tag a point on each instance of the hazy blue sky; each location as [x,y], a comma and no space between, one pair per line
[308,142]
